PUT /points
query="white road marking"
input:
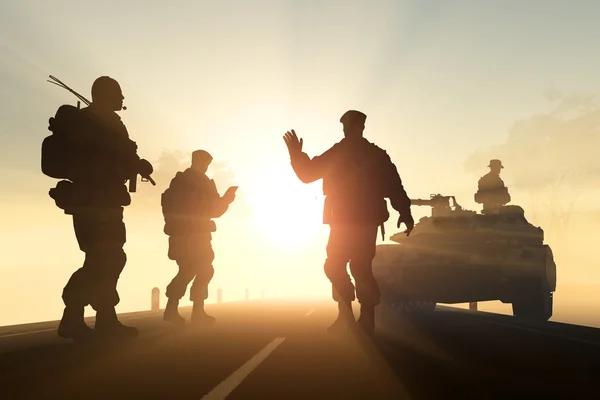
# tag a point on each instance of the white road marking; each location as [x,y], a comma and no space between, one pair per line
[309,312]
[540,332]
[54,329]
[224,389]
[27,333]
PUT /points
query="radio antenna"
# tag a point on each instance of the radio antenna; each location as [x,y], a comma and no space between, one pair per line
[54,80]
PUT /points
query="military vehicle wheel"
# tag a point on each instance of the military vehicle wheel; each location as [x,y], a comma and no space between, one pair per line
[535,306]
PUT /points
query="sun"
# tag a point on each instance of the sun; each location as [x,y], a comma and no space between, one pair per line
[286,212]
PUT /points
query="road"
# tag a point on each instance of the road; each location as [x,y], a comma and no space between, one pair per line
[280,350]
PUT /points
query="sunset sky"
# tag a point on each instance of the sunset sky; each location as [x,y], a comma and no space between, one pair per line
[437,80]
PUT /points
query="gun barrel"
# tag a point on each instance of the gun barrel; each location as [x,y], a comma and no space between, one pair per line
[420,202]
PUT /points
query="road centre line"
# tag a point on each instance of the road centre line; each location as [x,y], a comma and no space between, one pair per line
[224,389]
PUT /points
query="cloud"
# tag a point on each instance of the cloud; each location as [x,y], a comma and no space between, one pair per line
[551,160]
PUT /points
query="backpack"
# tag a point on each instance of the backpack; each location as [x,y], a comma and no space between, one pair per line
[174,202]
[168,203]
[180,206]
[59,157]
[184,196]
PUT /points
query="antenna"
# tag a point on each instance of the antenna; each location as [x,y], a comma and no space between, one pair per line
[59,83]
[54,80]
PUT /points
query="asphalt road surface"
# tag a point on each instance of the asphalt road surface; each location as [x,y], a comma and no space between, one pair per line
[280,350]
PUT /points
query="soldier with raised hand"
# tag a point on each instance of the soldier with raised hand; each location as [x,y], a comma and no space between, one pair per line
[357,178]
[100,158]
[491,191]
[189,206]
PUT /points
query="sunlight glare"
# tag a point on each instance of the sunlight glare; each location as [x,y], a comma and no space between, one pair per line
[286,212]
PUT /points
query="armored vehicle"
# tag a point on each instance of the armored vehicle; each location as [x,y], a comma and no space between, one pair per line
[459,256]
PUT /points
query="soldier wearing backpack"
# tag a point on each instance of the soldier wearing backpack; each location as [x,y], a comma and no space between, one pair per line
[90,150]
[189,205]
[357,178]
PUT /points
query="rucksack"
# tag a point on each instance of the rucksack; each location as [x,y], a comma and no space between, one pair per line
[180,198]
[177,204]
[180,207]
[59,157]
[169,202]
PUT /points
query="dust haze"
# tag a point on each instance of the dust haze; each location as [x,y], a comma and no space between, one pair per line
[446,88]
[552,170]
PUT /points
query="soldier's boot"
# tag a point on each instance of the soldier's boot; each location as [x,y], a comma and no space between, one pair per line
[345,319]
[366,320]
[171,313]
[73,326]
[199,315]
[109,326]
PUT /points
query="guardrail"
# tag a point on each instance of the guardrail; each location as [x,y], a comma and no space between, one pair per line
[155,297]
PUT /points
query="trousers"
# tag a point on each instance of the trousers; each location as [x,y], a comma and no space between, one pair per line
[354,244]
[194,256]
[101,235]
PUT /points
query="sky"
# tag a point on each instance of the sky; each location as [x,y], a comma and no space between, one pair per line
[437,79]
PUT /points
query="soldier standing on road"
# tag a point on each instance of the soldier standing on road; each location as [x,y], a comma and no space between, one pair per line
[492,192]
[95,145]
[357,178]
[189,205]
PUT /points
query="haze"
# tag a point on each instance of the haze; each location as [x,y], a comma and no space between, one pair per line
[444,85]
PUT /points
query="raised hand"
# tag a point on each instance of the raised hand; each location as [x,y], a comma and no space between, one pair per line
[292,142]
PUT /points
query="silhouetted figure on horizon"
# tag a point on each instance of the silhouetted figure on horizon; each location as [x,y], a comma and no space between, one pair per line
[492,192]
[91,151]
[189,206]
[357,178]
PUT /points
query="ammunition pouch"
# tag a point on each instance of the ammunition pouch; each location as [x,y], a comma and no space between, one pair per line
[196,248]
[374,211]
[185,226]
[71,197]
[117,197]
[205,226]
[67,197]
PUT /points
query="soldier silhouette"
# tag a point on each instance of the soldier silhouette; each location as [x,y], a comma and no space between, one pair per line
[492,192]
[91,151]
[189,206]
[357,178]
